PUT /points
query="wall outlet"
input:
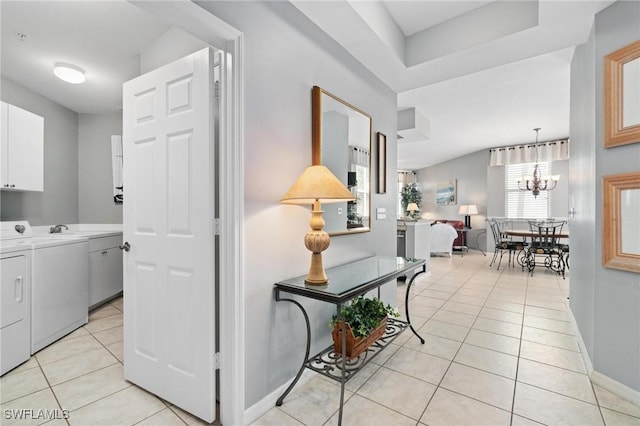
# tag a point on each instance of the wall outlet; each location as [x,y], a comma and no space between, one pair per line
[339,210]
[381,213]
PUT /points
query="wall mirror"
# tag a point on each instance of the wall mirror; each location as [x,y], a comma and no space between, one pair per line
[622,96]
[341,140]
[621,222]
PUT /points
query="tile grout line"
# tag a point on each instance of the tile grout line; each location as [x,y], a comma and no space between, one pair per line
[450,362]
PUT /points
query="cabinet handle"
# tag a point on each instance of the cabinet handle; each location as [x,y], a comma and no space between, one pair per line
[18,289]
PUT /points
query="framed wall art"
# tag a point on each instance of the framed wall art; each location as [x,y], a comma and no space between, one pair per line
[446,193]
[382,163]
[621,221]
[622,96]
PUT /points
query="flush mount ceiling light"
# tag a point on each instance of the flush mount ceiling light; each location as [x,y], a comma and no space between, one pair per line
[69,73]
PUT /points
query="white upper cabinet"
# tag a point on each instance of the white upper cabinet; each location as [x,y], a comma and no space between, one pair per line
[22,161]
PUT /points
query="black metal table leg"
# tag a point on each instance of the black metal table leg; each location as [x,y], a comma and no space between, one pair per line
[343,362]
[406,301]
[306,354]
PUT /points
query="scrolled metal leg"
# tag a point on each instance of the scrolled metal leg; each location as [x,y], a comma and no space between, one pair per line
[306,354]
[406,302]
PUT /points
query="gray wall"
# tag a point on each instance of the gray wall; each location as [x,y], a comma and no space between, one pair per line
[59,201]
[483,186]
[95,179]
[471,174]
[606,302]
[285,55]
[583,189]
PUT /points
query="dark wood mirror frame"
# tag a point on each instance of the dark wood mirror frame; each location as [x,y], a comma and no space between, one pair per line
[612,232]
[615,133]
[317,147]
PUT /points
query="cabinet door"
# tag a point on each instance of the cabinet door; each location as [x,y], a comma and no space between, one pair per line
[105,279]
[25,150]
[96,277]
[4,177]
[113,272]
[13,293]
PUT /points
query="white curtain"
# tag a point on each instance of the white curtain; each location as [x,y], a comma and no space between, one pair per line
[547,151]
[406,178]
[358,157]
[116,163]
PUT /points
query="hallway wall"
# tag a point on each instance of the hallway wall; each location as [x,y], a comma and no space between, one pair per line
[285,56]
[606,302]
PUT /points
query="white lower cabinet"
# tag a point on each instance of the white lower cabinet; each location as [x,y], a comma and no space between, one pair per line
[15,342]
[105,269]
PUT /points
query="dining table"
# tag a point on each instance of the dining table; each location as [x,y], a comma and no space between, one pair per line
[525,259]
[525,233]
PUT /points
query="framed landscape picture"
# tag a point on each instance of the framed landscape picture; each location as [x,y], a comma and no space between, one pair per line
[446,193]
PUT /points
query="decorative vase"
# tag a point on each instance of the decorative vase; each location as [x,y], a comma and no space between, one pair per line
[355,345]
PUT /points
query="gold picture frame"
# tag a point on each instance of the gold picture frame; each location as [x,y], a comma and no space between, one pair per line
[620,224]
[616,132]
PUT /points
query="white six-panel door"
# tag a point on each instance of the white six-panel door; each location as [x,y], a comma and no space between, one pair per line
[169,306]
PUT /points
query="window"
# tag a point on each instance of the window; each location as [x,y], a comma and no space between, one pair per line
[522,204]
[362,190]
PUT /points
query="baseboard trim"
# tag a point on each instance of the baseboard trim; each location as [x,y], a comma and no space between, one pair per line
[613,386]
[606,382]
[261,407]
[583,348]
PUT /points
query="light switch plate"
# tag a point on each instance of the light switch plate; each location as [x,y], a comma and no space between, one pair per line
[381,213]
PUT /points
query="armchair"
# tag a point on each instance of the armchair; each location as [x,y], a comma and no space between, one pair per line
[442,237]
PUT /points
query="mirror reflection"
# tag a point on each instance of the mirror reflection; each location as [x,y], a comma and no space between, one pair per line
[343,143]
[630,221]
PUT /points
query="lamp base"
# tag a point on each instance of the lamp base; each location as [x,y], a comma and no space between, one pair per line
[467,221]
[316,242]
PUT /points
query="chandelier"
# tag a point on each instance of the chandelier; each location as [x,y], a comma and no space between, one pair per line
[537,183]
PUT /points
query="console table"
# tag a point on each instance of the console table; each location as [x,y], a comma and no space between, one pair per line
[345,283]
[465,247]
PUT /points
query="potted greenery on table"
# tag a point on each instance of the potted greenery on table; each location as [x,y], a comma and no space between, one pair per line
[365,322]
[411,193]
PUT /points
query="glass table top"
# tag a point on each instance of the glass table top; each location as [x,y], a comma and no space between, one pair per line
[350,279]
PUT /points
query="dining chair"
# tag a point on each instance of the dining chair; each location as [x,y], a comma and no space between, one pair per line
[545,244]
[505,244]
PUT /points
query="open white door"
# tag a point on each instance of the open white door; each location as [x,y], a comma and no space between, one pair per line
[169,289]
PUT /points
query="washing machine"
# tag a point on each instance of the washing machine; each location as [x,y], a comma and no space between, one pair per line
[15,296]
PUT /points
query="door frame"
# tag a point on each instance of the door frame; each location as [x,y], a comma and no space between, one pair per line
[209,28]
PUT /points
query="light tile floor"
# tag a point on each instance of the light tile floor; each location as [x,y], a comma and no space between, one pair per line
[500,350]
[82,375]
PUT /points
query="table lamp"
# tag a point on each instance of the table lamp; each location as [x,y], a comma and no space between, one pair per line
[317,185]
[412,208]
[468,210]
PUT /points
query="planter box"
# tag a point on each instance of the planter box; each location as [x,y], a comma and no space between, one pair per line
[356,345]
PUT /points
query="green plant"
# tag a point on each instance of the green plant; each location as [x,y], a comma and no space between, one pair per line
[364,315]
[411,193]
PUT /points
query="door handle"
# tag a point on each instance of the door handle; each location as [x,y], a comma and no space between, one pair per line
[126,246]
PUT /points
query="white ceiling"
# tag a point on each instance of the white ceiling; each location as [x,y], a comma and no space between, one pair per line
[102,37]
[484,73]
